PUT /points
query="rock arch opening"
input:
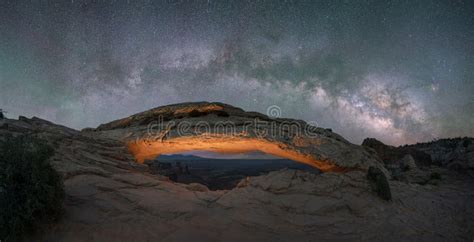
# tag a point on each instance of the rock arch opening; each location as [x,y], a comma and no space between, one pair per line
[149,150]
[220,171]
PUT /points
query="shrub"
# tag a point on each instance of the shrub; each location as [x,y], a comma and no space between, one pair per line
[379,183]
[435,176]
[31,191]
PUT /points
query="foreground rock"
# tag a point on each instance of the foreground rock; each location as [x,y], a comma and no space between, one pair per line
[111,197]
[281,206]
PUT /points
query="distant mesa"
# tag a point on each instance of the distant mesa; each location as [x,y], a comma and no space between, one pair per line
[391,155]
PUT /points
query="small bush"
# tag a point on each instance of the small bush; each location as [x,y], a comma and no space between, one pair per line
[435,176]
[466,143]
[379,183]
[31,191]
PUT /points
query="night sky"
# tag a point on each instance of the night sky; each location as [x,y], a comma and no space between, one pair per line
[400,71]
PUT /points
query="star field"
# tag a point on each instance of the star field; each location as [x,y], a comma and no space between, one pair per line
[399,71]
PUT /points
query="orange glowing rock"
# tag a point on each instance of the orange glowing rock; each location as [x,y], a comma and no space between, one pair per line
[218,127]
[148,150]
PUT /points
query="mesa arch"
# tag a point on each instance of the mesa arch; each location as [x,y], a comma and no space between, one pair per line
[219,127]
[145,150]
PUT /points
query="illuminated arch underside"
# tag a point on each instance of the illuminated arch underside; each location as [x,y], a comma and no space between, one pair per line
[148,150]
[326,151]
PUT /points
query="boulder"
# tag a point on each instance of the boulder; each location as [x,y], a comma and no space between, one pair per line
[197,187]
[407,163]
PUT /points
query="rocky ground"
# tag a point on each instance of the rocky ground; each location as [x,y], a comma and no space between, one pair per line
[285,205]
[112,198]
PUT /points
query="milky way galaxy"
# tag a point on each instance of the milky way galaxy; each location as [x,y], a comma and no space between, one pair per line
[400,71]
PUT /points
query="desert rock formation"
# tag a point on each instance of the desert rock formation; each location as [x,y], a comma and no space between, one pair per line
[109,196]
[223,128]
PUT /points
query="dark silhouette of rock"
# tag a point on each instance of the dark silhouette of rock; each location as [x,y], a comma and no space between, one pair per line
[454,153]
[179,167]
[173,177]
[407,163]
[392,155]
[186,169]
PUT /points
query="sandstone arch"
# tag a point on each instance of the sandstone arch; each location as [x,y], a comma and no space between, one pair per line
[220,127]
